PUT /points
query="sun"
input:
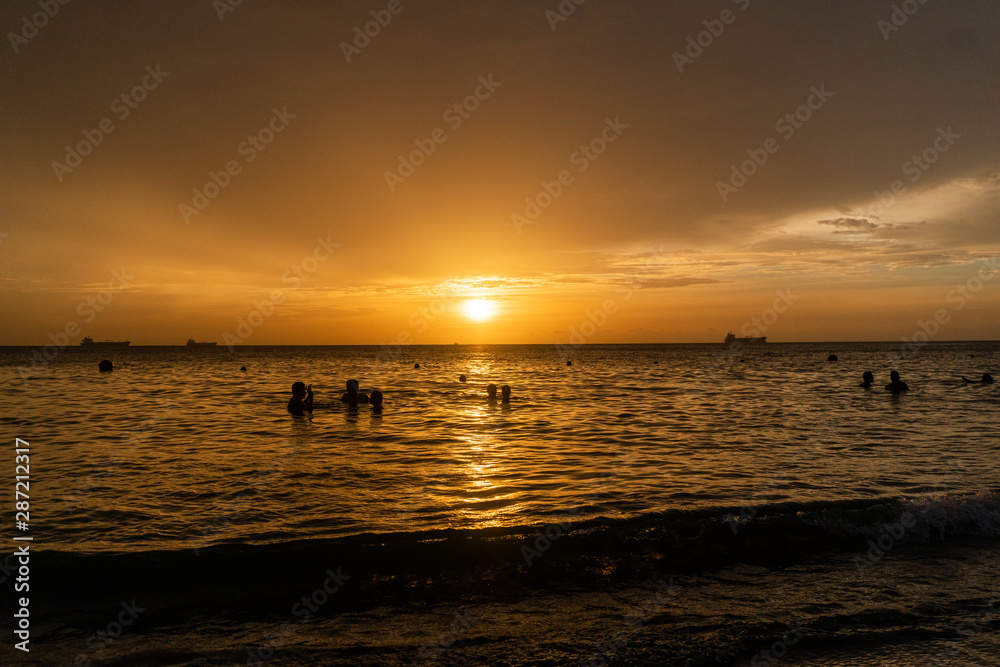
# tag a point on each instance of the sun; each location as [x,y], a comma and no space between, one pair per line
[479,310]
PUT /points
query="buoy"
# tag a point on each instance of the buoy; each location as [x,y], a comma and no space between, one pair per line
[105,366]
[832,357]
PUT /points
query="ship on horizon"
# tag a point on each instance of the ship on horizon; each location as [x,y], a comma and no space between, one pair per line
[731,338]
[193,343]
[90,342]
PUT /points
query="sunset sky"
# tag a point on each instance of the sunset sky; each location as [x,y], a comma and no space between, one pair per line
[649,234]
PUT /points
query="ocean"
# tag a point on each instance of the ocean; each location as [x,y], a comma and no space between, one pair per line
[645,504]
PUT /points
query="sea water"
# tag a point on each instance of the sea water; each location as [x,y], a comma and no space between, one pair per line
[178,455]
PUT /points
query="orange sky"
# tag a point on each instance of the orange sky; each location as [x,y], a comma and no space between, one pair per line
[641,232]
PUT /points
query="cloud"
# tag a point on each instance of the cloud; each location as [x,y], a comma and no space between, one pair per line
[851,225]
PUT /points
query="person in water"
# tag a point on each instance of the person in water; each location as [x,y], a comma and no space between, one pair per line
[896,385]
[353,394]
[505,394]
[987,379]
[301,401]
[867,379]
[491,392]
[376,400]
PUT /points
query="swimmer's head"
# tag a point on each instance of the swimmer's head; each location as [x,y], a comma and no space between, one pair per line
[987,378]
[105,366]
[491,390]
[461,378]
[352,386]
[505,390]
[894,376]
[868,377]
[376,398]
[299,389]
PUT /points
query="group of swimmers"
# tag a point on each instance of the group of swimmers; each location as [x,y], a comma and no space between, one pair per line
[896,385]
[301,401]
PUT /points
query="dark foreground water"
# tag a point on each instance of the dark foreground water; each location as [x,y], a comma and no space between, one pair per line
[646,505]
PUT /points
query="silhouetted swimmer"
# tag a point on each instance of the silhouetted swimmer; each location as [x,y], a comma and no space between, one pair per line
[505,394]
[353,394]
[461,378]
[105,366]
[243,368]
[376,402]
[987,379]
[416,365]
[896,385]
[867,379]
[569,363]
[832,357]
[491,392]
[301,401]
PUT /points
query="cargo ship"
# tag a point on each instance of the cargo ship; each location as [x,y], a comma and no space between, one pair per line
[731,338]
[90,342]
[193,343]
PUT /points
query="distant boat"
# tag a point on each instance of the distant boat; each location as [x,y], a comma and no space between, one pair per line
[192,343]
[90,342]
[731,338]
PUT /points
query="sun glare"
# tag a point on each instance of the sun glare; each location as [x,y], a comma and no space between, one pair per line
[479,310]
